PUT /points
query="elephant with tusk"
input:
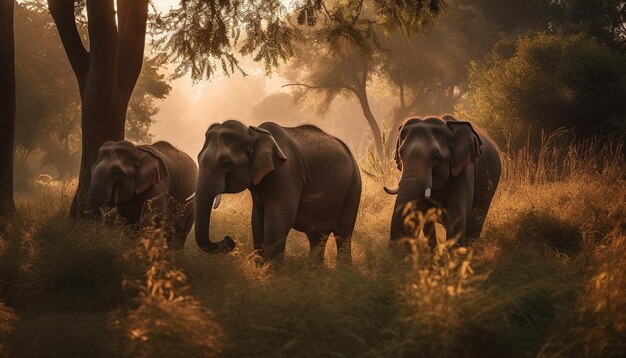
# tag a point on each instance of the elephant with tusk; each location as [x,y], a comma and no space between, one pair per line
[448,163]
[126,176]
[300,178]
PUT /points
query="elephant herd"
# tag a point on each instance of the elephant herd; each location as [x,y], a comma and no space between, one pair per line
[300,178]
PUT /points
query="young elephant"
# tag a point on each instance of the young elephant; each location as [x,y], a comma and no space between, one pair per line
[300,178]
[126,176]
[445,162]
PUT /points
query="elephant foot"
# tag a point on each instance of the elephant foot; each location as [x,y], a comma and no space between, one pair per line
[223,246]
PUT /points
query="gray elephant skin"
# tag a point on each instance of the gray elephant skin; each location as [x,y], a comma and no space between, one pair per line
[125,176]
[300,178]
[449,164]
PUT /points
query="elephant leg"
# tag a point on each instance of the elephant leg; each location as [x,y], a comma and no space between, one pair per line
[430,233]
[343,236]
[317,243]
[475,224]
[257,228]
[344,249]
[455,221]
[182,229]
[277,222]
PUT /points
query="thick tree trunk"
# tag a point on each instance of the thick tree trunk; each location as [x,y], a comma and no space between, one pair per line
[106,75]
[7,106]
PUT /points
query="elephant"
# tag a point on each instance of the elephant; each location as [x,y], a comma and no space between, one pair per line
[300,178]
[125,176]
[449,164]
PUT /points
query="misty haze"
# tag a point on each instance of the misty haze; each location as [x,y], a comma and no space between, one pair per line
[416,178]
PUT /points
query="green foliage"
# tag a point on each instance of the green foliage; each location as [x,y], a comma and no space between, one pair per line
[76,272]
[203,36]
[550,81]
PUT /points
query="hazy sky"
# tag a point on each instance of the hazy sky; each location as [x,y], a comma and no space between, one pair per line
[190,108]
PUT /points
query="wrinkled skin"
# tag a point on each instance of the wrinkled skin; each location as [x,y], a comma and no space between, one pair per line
[300,178]
[445,163]
[126,176]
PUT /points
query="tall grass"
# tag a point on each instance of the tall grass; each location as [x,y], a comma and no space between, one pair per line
[167,321]
[560,157]
[545,279]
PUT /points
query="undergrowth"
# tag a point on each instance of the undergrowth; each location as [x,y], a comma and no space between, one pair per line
[546,278]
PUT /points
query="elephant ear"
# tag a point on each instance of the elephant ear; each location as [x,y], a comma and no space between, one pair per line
[464,146]
[150,169]
[400,139]
[266,154]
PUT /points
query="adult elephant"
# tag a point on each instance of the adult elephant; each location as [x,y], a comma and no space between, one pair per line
[300,178]
[125,176]
[446,163]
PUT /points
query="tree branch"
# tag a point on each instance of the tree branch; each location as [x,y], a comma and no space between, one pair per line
[62,12]
[307,86]
[132,18]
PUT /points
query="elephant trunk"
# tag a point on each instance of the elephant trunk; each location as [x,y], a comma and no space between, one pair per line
[414,187]
[100,192]
[203,201]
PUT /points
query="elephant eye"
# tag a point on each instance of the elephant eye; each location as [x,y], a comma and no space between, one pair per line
[436,157]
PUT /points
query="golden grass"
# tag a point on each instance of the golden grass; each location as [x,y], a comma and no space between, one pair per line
[546,278]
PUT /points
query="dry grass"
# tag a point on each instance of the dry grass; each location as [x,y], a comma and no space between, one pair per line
[546,278]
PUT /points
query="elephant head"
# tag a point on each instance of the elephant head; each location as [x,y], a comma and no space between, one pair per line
[429,152]
[233,158]
[122,171]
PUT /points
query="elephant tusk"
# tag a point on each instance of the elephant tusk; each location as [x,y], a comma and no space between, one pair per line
[393,191]
[427,193]
[217,200]
[117,194]
[190,198]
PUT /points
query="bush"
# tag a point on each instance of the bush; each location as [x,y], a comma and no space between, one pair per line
[76,266]
[167,322]
[597,326]
[549,81]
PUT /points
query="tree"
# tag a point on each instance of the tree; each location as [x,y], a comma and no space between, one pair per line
[48,115]
[547,82]
[349,47]
[106,74]
[7,106]
[338,73]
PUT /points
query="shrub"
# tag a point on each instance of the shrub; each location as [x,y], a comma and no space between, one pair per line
[549,81]
[167,322]
[597,326]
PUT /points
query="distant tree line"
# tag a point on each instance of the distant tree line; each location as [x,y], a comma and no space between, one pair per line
[513,67]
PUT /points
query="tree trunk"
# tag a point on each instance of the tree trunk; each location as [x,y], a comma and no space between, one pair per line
[399,115]
[106,75]
[7,106]
[361,94]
